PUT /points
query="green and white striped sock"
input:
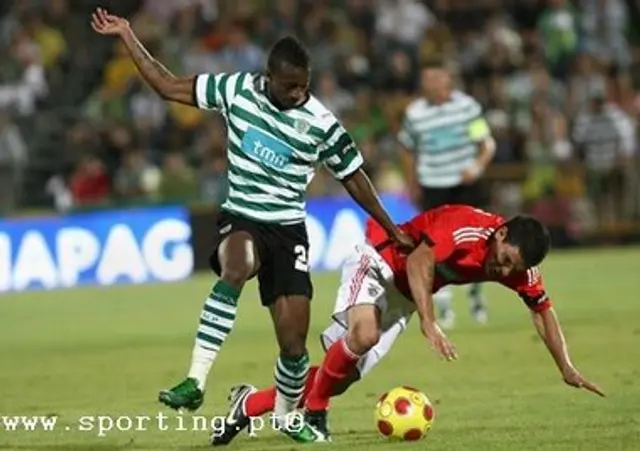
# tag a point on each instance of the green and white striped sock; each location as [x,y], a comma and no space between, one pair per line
[291,376]
[216,321]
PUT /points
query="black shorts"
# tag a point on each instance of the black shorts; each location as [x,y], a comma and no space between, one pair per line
[283,252]
[460,195]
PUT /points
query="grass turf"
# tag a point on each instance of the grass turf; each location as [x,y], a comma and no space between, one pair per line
[90,352]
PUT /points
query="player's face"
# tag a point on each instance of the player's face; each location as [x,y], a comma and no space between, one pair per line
[288,86]
[504,259]
[436,84]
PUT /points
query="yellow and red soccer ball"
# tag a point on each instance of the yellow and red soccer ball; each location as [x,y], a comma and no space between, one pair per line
[404,413]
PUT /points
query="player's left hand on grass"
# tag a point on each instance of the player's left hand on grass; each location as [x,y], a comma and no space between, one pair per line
[438,340]
[573,377]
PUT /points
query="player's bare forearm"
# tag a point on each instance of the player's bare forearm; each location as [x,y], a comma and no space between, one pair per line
[420,272]
[486,152]
[167,85]
[548,327]
[539,325]
[360,188]
[408,161]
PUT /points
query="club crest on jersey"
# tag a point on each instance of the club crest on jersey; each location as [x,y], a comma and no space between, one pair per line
[301,125]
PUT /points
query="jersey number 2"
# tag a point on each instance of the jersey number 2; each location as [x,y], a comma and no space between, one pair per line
[301,263]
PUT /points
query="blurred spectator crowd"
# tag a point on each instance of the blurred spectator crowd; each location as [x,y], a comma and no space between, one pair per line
[559,81]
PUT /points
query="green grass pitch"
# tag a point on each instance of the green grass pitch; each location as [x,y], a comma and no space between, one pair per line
[92,352]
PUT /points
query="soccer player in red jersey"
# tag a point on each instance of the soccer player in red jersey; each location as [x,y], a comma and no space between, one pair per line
[381,288]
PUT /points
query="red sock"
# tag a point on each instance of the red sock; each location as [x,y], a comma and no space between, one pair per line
[311,379]
[260,402]
[263,401]
[338,362]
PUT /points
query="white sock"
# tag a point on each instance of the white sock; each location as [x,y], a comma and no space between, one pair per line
[475,296]
[216,321]
[290,377]
[201,362]
[442,300]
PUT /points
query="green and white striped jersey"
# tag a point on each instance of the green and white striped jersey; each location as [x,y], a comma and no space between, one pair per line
[273,154]
[444,138]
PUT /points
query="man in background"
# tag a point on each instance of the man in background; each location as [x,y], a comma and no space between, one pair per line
[604,136]
[447,145]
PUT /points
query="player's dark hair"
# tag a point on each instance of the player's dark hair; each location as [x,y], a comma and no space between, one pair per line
[531,237]
[288,50]
[433,63]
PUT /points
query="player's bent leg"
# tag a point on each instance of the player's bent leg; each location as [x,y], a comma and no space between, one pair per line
[291,316]
[442,300]
[246,402]
[477,304]
[363,328]
[372,357]
[342,356]
[238,262]
[258,403]
[339,367]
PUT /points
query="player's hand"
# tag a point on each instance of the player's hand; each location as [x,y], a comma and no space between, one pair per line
[403,241]
[470,176]
[107,24]
[439,341]
[573,377]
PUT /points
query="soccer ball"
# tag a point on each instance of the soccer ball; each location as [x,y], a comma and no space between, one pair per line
[404,413]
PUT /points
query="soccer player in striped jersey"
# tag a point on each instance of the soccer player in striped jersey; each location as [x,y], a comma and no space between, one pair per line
[277,136]
[447,146]
[381,289]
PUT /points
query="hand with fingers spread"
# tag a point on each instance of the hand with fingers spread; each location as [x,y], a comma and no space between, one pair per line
[439,341]
[107,24]
[572,376]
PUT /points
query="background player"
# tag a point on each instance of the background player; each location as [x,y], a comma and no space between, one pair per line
[277,134]
[373,308]
[447,146]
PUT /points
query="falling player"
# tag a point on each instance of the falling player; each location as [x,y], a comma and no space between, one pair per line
[381,289]
[277,135]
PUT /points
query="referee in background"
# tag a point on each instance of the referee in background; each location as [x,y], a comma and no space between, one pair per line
[447,145]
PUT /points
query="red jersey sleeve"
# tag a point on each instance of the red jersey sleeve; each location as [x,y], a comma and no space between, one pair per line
[530,288]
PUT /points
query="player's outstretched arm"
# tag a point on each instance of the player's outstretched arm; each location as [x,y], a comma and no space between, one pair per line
[359,186]
[420,272]
[167,85]
[548,327]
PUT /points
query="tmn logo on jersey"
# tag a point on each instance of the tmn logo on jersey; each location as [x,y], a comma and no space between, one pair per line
[444,138]
[268,150]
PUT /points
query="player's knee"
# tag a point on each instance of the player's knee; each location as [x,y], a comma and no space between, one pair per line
[363,336]
[238,259]
[236,274]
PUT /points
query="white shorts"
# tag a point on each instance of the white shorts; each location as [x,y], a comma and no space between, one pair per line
[368,280]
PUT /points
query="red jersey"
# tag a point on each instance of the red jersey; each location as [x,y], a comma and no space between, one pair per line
[458,236]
